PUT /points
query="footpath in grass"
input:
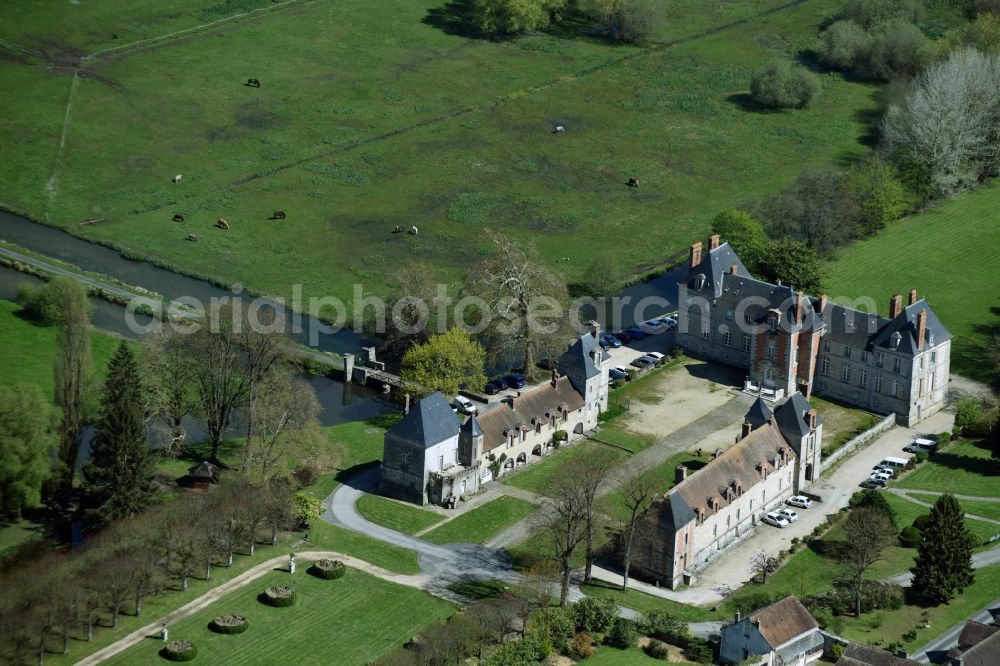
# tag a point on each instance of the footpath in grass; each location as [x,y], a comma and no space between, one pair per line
[983,509]
[931,236]
[539,476]
[395,515]
[482,523]
[964,467]
[907,512]
[352,620]
[663,478]
[323,535]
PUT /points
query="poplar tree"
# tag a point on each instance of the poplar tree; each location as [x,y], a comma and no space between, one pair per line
[944,557]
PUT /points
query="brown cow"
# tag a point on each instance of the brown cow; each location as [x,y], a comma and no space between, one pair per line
[278,215]
[253,83]
[222,224]
[633,182]
[192,237]
[178,217]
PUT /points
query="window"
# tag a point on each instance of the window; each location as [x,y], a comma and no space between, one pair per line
[780,482]
[728,338]
[441,462]
[931,382]
[769,375]
[847,352]
[751,505]
[771,348]
[863,379]
[879,359]
[845,373]
[738,512]
[826,345]
[746,342]
[895,388]
[920,386]
[729,521]
[706,332]
[933,357]
[922,359]
[747,319]
[824,366]
[896,364]
[404,459]
[878,383]
[729,315]
[715,531]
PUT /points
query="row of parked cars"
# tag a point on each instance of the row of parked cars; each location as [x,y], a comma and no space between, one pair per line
[514,380]
[785,517]
[891,465]
[634,333]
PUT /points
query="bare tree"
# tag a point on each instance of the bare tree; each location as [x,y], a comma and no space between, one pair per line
[762,564]
[564,520]
[517,286]
[867,533]
[166,358]
[287,420]
[591,475]
[637,494]
[262,337]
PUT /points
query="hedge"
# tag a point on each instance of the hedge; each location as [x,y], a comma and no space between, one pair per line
[328,569]
[278,596]
[179,651]
[229,624]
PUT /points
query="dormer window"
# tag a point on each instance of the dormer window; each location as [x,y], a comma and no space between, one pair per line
[699,281]
[894,340]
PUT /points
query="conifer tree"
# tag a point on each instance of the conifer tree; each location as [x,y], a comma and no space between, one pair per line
[117,479]
[944,557]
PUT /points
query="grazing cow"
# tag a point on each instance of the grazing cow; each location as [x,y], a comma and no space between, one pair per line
[633,182]
[558,129]
[414,231]
[178,217]
[397,230]
[222,224]
[177,178]
[253,83]
[192,237]
[278,215]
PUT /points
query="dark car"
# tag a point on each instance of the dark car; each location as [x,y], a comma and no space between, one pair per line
[614,373]
[642,362]
[608,340]
[516,380]
[501,383]
[492,388]
[623,337]
[635,333]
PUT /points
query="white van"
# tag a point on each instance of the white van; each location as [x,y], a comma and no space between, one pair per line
[920,445]
[895,463]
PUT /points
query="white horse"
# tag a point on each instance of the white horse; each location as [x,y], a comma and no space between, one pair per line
[414,231]
[177,178]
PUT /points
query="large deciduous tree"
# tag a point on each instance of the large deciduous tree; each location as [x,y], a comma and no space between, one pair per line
[512,17]
[867,533]
[118,477]
[794,263]
[745,234]
[27,442]
[171,373]
[944,557]
[637,494]
[565,523]
[446,363]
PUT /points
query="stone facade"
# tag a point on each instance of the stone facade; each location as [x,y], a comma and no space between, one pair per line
[788,341]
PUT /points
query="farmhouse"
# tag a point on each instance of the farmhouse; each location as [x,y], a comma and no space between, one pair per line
[776,455]
[783,633]
[788,341]
[429,457]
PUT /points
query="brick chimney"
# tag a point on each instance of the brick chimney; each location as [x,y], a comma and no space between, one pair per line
[800,307]
[921,328]
[811,417]
[895,305]
[680,473]
[695,254]
[595,330]
[555,376]
[713,242]
[745,430]
[406,407]
[823,299]
[913,296]
[733,269]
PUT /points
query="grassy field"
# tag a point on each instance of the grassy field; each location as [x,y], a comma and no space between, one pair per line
[907,511]
[983,509]
[539,476]
[609,656]
[613,504]
[482,523]
[396,515]
[964,467]
[922,252]
[647,603]
[358,618]
[15,533]
[27,351]
[431,128]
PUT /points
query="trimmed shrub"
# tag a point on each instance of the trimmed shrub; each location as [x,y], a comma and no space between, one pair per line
[622,634]
[328,569]
[179,651]
[594,615]
[778,86]
[582,646]
[560,436]
[919,457]
[910,537]
[836,650]
[922,522]
[656,649]
[229,624]
[279,596]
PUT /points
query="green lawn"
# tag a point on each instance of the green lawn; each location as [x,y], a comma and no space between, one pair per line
[27,351]
[613,504]
[375,114]
[538,476]
[922,252]
[609,656]
[963,467]
[841,424]
[647,603]
[323,535]
[983,509]
[351,620]
[907,511]
[395,515]
[482,523]
[14,534]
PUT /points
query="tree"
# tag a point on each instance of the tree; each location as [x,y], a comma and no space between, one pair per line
[446,363]
[777,85]
[306,507]
[407,322]
[637,494]
[844,44]
[896,51]
[261,340]
[873,13]
[982,34]
[796,264]
[590,476]
[72,371]
[604,276]
[950,122]
[171,379]
[519,289]
[565,523]
[118,477]
[867,533]
[512,17]
[943,567]
[873,499]
[879,195]
[288,424]
[630,21]
[745,234]
[45,304]
[27,442]
[762,564]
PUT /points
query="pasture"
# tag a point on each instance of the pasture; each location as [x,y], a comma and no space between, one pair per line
[965,467]
[371,115]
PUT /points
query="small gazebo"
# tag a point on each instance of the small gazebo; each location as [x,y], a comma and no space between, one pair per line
[203,474]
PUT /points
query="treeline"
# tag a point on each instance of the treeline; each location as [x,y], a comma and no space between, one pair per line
[53,598]
[629,21]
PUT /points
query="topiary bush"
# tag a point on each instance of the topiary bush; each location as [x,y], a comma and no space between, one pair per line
[229,624]
[279,596]
[179,651]
[910,537]
[328,569]
[656,649]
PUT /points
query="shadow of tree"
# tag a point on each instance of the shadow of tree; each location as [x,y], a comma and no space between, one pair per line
[455,18]
[978,466]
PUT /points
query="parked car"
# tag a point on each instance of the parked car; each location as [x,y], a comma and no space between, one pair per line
[463,405]
[608,340]
[516,380]
[653,327]
[635,333]
[615,373]
[642,362]
[655,355]
[800,501]
[623,337]
[920,446]
[874,483]
[776,519]
[888,471]
[492,388]
[671,322]
[894,462]
[879,476]
[788,515]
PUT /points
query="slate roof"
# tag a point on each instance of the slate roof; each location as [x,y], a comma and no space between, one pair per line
[783,620]
[736,289]
[984,653]
[471,427]
[673,511]
[906,324]
[429,423]
[856,654]
[204,470]
[791,417]
[759,413]
[715,264]
[579,358]
[974,633]
[739,463]
[518,412]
